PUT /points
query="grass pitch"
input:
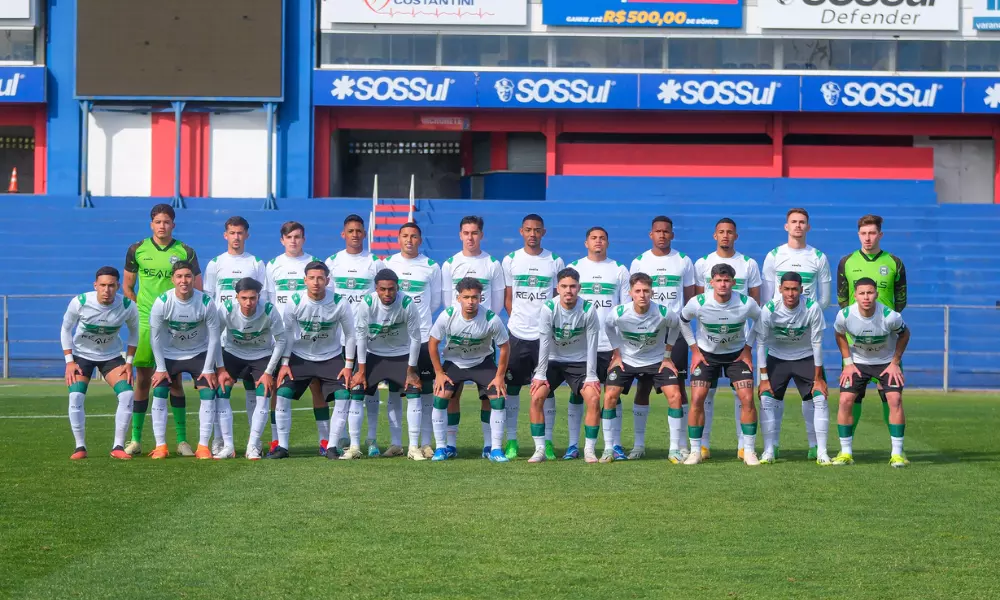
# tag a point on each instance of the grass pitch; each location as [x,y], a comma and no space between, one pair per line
[391,528]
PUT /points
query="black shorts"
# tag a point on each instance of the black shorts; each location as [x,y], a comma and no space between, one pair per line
[573,374]
[305,371]
[391,369]
[603,362]
[247,370]
[781,372]
[624,375]
[679,355]
[522,362]
[482,374]
[722,365]
[425,368]
[192,366]
[870,373]
[104,366]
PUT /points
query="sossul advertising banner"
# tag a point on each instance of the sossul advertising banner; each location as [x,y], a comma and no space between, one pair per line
[882,94]
[882,15]
[650,13]
[425,12]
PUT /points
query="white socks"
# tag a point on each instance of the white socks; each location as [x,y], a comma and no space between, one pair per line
[640,414]
[808,416]
[122,416]
[260,413]
[779,416]
[338,423]
[512,406]
[897,445]
[737,410]
[439,422]
[414,419]
[355,417]
[768,421]
[485,420]
[426,419]
[498,422]
[322,425]
[159,417]
[616,426]
[574,416]
[846,444]
[394,410]
[77,417]
[251,404]
[225,412]
[676,425]
[706,438]
[206,422]
[607,427]
[283,419]
[820,422]
[683,440]
[549,409]
[371,409]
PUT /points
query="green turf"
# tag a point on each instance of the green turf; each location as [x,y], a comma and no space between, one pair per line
[391,528]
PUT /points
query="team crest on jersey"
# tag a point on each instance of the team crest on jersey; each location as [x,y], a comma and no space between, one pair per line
[292,285]
[350,283]
[532,281]
[173,259]
[595,288]
[883,270]
[661,280]
[723,329]
[404,284]
[567,331]
[466,342]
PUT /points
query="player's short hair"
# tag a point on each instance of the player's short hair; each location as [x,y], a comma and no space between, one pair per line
[723,269]
[236,221]
[639,278]
[792,276]
[865,281]
[797,211]
[411,225]
[568,272]
[662,219]
[289,226]
[870,220]
[472,220]
[247,284]
[597,228]
[316,265]
[353,218]
[180,266]
[725,221]
[386,275]
[162,209]
[107,271]
[468,283]
[533,217]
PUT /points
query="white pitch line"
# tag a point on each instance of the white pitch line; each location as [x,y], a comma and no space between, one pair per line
[90,416]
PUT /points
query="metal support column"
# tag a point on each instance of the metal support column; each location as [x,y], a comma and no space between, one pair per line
[85,201]
[178,200]
[270,203]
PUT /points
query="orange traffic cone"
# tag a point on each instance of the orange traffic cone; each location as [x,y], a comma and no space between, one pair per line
[12,188]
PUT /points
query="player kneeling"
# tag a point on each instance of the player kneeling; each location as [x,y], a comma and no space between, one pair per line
[790,348]
[568,331]
[253,343]
[388,336]
[880,338]
[97,317]
[468,334]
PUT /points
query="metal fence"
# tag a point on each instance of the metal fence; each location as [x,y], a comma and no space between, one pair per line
[952,346]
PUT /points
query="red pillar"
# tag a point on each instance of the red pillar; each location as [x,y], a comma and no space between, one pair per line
[498,151]
[777,132]
[41,142]
[551,137]
[321,172]
[996,164]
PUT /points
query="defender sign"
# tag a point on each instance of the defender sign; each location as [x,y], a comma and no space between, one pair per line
[880,15]
[425,12]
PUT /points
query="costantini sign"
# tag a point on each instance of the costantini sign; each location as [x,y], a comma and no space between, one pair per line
[881,15]
[425,12]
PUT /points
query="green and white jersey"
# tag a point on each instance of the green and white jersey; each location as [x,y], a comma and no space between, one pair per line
[747,271]
[642,338]
[532,280]
[605,285]
[353,275]
[97,336]
[286,276]
[255,337]
[313,326]
[811,264]
[483,267]
[225,270]
[420,279]
[387,330]
[182,329]
[722,327]
[873,338]
[467,342]
[568,336]
[670,274]
[153,266]
[790,333]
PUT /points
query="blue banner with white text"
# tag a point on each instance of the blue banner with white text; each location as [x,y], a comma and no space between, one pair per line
[394,88]
[22,84]
[558,90]
[882,94]
[719,92]
[727,14]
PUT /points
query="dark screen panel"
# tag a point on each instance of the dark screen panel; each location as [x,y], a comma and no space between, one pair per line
[179,48]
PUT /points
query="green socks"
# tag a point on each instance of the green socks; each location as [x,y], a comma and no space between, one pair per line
[139,408]
[178,407]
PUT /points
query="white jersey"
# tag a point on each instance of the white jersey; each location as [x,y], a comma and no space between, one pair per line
[747,271]
[353,275]
[532,280]
[485,268]
[285,276]
[811,264]
[670,274]
[392,330]
[180,329]
[260,335]
[722,328]
[312,327]
[568,336]
[790,333]
[605,284]
[97,336]
[467,342]
[873,339]
[642,339]
[420,279]
[225,270]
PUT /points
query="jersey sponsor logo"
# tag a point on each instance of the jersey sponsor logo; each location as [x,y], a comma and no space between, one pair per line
[792,333]
[386,330]
[532,296]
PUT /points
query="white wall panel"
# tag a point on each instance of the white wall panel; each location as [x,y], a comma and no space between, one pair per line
[238,155]
[120,154]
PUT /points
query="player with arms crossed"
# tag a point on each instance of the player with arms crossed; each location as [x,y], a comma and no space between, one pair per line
[388,337]
[603,283]
[530,275]
[149,263]
[185,335]
[568,332]
[722,347]
[98,316]
[253,343]
[312,322]
[878,338]
[642,334]
[746,282]
[420,279]
[674,280]
[468,333]
[789,337]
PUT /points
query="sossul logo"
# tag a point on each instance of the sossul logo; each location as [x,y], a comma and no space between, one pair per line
[871,94]
[558,91]
[723,93]
[413,89]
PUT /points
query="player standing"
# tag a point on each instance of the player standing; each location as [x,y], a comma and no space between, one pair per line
[420,279]
[789,337]
[568,331]
[149,263]
[530,275]
[721,348]
[674,280]
[98,316]
[468,333]
[747,282]
[604,283]
[879,339]
[889,275]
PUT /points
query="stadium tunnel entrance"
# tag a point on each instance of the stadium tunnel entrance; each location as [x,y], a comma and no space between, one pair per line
[22,148]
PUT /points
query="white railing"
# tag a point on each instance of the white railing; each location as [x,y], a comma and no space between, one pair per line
[371,215]
[413,197]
